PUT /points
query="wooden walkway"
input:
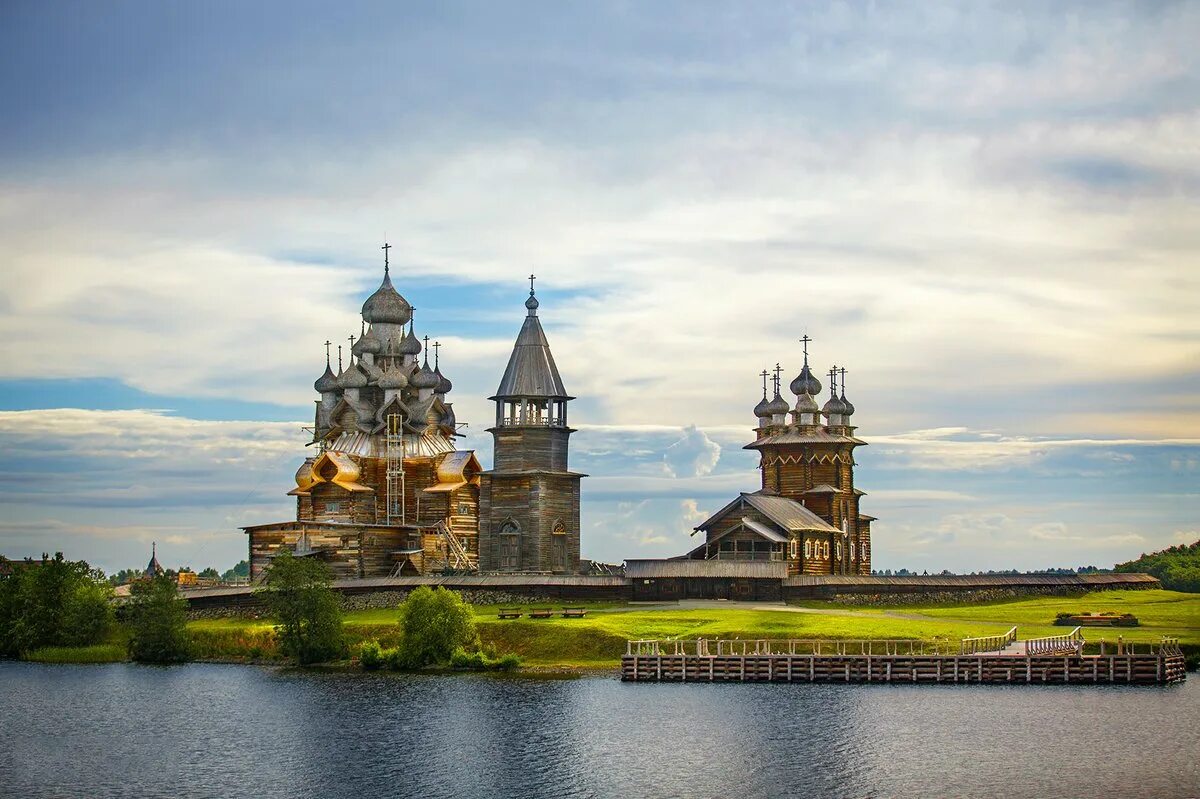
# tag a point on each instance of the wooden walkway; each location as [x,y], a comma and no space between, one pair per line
[1052,660]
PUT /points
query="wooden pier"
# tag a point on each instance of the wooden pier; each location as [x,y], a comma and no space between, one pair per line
[1058,659]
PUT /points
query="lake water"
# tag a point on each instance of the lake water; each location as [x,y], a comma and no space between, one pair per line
[213,730]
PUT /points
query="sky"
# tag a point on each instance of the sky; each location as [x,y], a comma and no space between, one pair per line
[986,212]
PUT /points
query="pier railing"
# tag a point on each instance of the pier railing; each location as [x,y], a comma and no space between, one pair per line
[1071,643]
[705,647]
[987,643]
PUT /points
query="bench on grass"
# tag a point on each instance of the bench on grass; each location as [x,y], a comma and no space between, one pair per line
[509,613]
[541,613]
[574,613]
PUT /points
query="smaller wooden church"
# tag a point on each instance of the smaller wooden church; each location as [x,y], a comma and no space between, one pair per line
[806,513]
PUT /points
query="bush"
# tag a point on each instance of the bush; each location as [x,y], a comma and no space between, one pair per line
[371,656]
[434,623]
[158,622]
[307,611]
[482,661]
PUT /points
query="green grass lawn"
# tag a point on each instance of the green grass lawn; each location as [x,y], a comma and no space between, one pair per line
[1160,613]
[599,639]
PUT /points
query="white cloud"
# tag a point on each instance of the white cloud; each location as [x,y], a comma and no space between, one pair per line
[693,455]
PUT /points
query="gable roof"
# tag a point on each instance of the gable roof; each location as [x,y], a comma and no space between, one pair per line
[788,513]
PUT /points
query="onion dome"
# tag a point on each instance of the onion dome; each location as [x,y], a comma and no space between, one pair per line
[444,385]
[763,408]
[777,406]
[532,303]
[848,409]
[834,407]
[392,378]
[411,345]
[424,378]
[806,404]
[806,382]
[368,343]
[326,382]
[372,371]
[352,378]
[386,305]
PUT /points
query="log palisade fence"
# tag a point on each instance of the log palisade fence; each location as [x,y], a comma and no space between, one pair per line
[1057,659]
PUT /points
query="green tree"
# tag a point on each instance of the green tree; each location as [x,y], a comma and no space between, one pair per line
[1178,567]
[42,605]
[435,622]
[307,611]
[157,622]
[209,574]
[88,612]
[240,571]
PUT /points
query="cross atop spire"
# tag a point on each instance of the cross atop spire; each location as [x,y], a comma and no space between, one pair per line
[327,343]
[339,359]
[436,346]
[778,370]
[765,373]
[804,340]
[833,376]
[531,279]
[426,340]
[385,249]
[842,374]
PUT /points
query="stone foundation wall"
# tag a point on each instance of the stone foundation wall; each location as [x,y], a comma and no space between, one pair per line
[376,600]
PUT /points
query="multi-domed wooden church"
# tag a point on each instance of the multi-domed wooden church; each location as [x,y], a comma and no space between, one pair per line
[388,492]
[806,513]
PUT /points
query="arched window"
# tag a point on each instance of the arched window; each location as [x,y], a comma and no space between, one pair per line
[862,551]
[825,550]
[793,547]
[839,550]
[807,549]
[559,528]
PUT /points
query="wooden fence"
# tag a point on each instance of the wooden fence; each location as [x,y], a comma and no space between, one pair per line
[866,661]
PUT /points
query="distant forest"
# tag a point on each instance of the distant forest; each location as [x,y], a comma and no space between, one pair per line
[1177,567]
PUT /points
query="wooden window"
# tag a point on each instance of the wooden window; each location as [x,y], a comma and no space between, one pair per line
[808,549]
[793,548]
[862,551]
[825,550]
[333,507]
[510,546]
[839,550]
[464,509]
[560,552]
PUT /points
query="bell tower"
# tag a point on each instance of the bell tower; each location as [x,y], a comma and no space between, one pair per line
[529,500]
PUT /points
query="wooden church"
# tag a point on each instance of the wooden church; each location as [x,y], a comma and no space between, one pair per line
[805,515]
[387,491]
